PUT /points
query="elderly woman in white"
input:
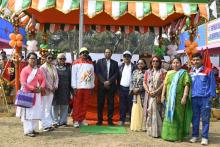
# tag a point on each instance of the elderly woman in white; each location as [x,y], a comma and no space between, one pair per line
[50,73]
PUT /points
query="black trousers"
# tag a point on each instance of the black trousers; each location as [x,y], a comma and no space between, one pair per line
[102,94]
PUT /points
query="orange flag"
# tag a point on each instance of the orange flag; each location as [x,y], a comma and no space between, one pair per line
[206,58]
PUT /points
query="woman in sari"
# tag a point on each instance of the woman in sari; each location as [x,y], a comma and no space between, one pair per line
[32,80]
[153,84]
[178,113]
[137,90]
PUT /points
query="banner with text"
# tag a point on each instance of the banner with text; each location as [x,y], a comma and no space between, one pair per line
[214,31]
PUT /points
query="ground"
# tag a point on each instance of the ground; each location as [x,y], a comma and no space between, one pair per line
[11,135]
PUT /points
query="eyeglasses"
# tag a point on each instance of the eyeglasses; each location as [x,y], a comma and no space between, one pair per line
[84,52]
[155,61]
[127,56]
[32,58]
[62,58]
[49,58]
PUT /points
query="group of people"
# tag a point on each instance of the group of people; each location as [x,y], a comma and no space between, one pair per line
[162,103]
[51,85]
[173,100]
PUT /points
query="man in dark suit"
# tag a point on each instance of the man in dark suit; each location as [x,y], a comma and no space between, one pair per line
[107,72]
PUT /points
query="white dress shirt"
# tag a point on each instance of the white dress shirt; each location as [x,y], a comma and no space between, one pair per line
[108,68]
[126,76]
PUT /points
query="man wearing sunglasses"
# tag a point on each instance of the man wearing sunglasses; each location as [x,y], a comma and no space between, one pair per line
[82,81]
[125,72]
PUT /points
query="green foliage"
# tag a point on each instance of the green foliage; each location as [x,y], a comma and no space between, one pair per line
[96,42]
[159,51]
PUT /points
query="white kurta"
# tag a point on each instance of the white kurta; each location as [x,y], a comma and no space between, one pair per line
[34,113]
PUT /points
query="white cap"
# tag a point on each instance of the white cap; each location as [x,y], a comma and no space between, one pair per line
[83,49]
[60,55]
[127,53]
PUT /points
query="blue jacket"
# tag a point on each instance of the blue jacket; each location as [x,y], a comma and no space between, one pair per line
[203,83]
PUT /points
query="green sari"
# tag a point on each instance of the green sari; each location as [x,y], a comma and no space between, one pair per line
[179,128]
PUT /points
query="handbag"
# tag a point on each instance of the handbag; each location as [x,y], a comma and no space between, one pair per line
[24,99]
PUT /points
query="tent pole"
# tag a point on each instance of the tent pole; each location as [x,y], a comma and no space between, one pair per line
[81,22]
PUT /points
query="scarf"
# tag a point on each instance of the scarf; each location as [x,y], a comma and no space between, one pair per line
[138,77]
[172,96]
[32,75]
[30,78]
[51,71]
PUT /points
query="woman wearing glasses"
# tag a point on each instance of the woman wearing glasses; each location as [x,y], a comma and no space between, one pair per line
[32,80]
[50,73]
[62,94]
[137,90]
[153,84]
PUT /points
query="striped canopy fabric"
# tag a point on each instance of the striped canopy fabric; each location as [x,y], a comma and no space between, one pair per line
[97,12]
[115,9]
[172,1]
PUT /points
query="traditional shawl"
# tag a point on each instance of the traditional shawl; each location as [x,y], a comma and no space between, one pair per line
[172,95]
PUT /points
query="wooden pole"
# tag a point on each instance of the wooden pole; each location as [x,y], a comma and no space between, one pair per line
[17,67]
[17,55]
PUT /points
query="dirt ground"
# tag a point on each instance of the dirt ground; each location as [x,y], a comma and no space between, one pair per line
[11,135]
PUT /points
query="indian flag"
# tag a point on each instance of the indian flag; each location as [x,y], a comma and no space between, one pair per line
[162,10]
[41,5]
[24,20]
[93,7]
[204,10]
[18,5]
[139,9]
[3,4]
[116,9]
[186,8]
[66,6]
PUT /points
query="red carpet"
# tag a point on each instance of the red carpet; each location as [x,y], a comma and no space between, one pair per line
[91,115]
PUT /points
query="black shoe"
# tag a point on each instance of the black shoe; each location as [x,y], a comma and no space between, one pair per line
[36,133]
[64,125]
[30,134]
[99,123]
[55,125]
[110,123]
[48,129]
[51,129]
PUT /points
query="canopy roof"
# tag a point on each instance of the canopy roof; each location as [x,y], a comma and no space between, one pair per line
[132,13]
[172,1]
